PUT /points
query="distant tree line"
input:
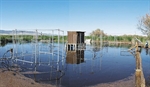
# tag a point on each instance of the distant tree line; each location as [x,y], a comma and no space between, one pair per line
[94,35]
[29,38]
[125,38]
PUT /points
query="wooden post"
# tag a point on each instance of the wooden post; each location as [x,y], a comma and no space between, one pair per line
[138,61]
[139,77]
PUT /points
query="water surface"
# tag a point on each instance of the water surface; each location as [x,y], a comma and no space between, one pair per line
[80,68]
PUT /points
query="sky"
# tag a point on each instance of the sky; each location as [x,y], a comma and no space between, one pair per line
[114,17]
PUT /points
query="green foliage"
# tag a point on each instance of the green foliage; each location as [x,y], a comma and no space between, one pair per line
[123,38]
[88,37]
[27,38]
[30,37]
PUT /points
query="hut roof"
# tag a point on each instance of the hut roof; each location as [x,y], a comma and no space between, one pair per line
[77,31]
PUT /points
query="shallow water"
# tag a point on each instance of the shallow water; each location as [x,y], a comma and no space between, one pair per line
[92,66]
[145,55]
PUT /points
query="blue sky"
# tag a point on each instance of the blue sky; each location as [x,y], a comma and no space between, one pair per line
[115,17]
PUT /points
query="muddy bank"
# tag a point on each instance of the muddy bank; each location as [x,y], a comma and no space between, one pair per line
[15,79]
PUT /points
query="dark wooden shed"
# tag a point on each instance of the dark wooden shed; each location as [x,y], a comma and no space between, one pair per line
[75,40]
[75,37]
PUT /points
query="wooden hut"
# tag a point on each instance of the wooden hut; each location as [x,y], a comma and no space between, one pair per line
[75,40]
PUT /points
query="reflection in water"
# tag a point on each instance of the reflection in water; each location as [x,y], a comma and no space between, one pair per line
[146,51]
[2,44]
[75,57]
[96,46]
[44,73]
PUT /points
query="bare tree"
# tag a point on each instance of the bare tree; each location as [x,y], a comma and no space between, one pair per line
[144,25]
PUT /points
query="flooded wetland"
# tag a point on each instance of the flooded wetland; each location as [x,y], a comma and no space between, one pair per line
[74,43]
[79,68]
[75,62]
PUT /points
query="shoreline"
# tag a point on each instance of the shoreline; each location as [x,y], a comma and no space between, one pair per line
[126,82]
[16,79]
